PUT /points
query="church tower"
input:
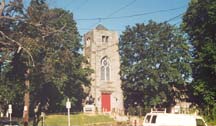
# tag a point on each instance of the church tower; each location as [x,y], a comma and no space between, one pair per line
[101,51]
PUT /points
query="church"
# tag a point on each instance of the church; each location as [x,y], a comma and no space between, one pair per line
[101,51]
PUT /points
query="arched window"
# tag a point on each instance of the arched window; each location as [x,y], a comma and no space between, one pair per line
[105,69]
[88,40]
[102,73]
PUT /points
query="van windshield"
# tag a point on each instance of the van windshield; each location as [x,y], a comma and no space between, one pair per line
[154,119]
[148,119]
[199,122]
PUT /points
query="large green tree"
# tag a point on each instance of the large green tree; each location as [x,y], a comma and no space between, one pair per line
[12,90]
[45,42]
[154,64]
[200,23]
[58,61]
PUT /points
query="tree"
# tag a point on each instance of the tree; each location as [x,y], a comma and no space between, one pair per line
[54,61]
[11,15]
[154,64]
[58,61]
[199,22]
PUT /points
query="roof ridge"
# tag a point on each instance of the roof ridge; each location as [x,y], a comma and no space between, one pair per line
[101,27]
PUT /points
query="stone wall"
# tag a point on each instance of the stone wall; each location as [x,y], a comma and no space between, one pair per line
[100,43]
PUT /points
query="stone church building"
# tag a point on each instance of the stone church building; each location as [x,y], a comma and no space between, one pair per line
[101,51]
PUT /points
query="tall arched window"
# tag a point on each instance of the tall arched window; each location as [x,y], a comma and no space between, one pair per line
[88,40]
[105,69]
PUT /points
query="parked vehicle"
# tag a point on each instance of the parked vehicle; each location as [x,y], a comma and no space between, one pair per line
[8,123]
[168,119]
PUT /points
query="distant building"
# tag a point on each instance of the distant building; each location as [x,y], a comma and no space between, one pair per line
[101,51]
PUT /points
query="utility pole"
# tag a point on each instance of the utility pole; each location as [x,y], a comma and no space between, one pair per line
[10,111]
[68,106]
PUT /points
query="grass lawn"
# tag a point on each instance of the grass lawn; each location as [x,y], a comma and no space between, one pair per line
[212,123]
[77,120]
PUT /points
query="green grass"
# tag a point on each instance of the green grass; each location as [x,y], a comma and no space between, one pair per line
[212,123]
[77,120]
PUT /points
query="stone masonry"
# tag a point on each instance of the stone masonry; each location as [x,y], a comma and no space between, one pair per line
[101,51]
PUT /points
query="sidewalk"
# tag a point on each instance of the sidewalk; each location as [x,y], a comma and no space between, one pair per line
[135,121]
[131,120]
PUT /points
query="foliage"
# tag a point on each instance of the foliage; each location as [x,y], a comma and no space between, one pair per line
[11,81]
[46,41]
[58,62]
[154,64]
[200,22]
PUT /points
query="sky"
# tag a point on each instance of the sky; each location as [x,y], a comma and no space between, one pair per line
[117,14]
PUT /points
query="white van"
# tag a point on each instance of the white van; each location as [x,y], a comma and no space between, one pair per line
[168,119]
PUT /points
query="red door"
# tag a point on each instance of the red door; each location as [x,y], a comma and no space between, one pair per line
[105,102]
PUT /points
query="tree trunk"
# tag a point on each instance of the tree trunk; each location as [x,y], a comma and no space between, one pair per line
[26,99]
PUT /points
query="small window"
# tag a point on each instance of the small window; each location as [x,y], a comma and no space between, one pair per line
[105,38]
[88,41]
[199,122]
[154,119]
[148,119]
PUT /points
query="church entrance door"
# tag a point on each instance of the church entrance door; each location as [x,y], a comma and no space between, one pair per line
[105,102]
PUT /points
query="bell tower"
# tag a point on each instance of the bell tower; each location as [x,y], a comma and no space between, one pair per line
[101,51]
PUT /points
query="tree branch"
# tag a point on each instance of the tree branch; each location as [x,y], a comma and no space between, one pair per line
[52,31]
[8,38]
[2,6]
[8,17]
[4,57]
[19,46]
[4,44]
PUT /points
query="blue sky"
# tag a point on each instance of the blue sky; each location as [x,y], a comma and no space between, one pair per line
[116,10]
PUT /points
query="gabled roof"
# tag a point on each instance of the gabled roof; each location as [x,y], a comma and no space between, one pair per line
[101,27]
